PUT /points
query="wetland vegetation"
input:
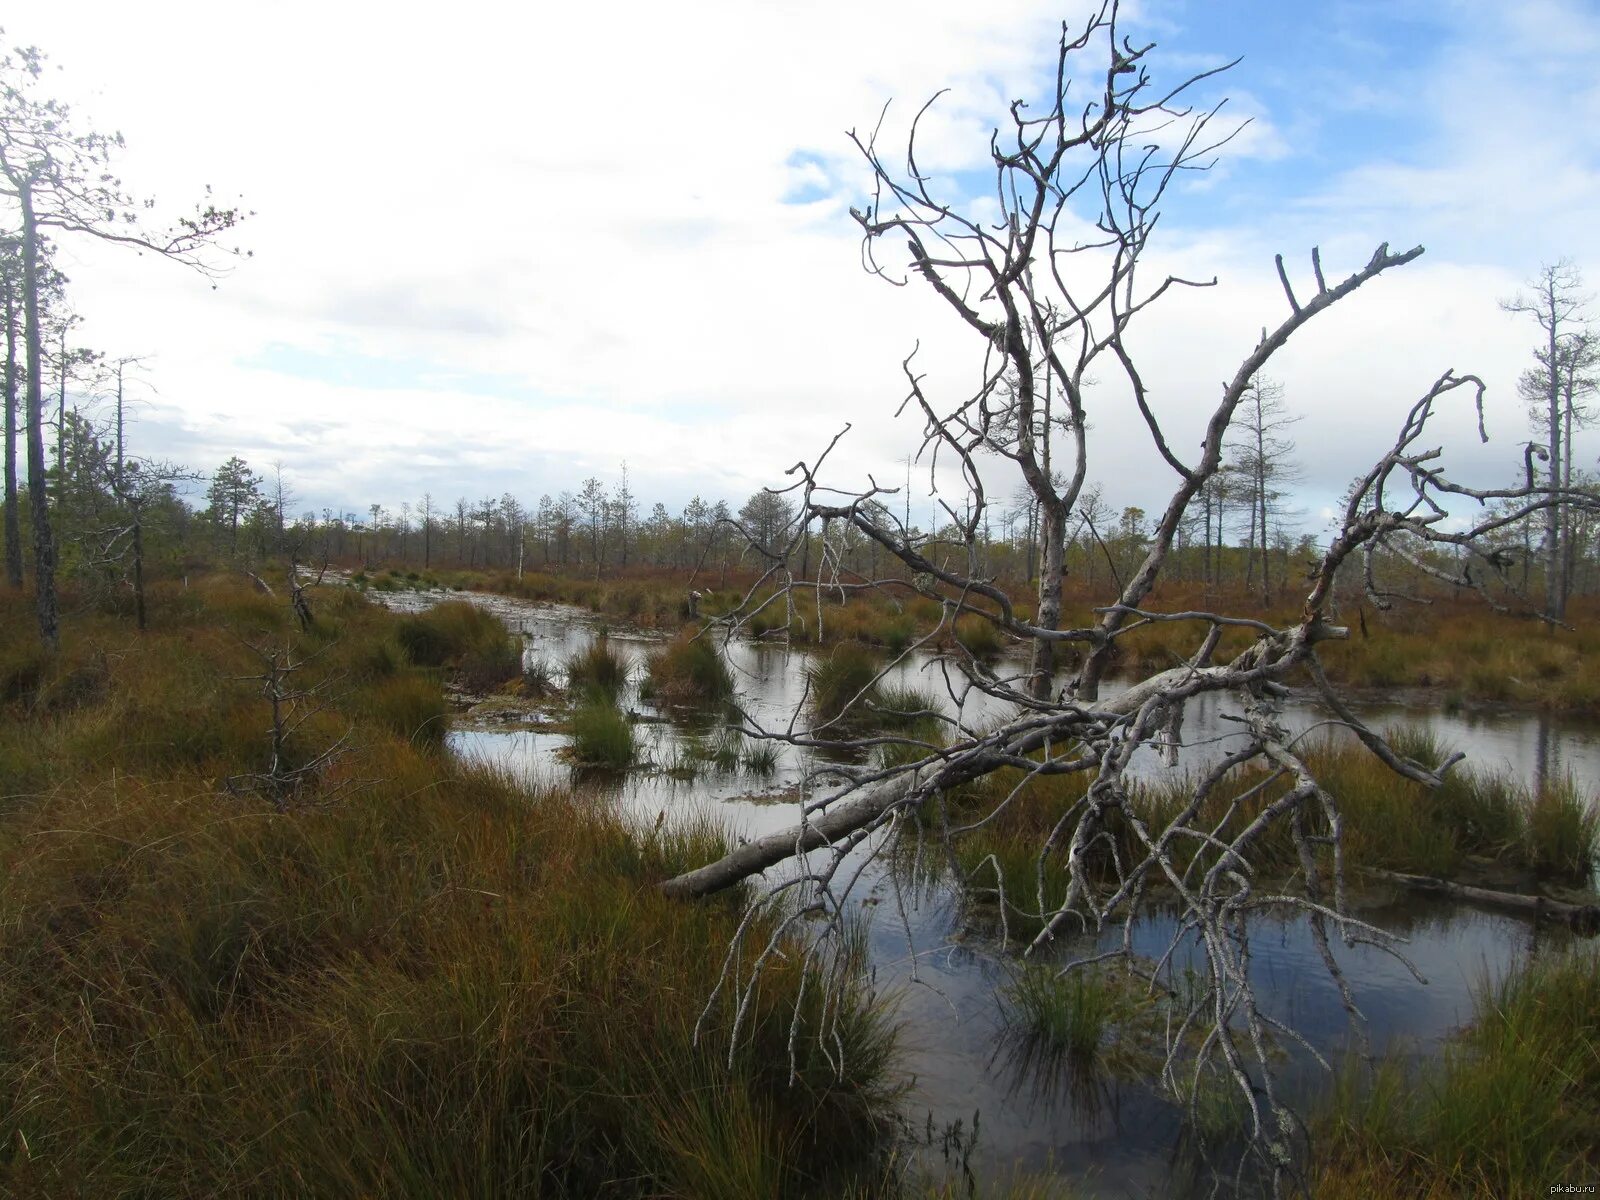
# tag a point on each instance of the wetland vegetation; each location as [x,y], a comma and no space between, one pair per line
[324,877]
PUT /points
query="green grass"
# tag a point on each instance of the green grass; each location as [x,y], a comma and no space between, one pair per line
[841,683]
[1511,1108]
[689,671]
[598,673]
[1071,1015]
[423,981]
[978,636]
[411,707]
[470,640]
[602,736]
[759,757]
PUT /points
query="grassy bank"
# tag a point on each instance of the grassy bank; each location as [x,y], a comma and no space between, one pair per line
[1539,838]
[1462,651]
[1511,1109]
[407,978]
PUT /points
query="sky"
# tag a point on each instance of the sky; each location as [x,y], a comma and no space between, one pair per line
[503,248]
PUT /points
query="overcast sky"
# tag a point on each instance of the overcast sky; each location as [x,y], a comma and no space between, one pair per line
[501,248]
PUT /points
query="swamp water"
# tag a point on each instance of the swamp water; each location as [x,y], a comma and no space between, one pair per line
[1102,1136]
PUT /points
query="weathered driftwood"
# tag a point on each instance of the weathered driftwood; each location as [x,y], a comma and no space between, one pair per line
[1583,917]
[754,857]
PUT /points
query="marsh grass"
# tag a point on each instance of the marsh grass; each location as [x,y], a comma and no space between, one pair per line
[689,671]
[1458,647]
[760,757]
[1550,834]
[1073,1015]
[841,685]
[538,681]
[602,736]
[439,985]
[599,673]
[1512,1107]
[471,641]
[978,636]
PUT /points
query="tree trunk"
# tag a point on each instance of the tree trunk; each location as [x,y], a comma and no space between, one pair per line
[1552,516]
[756,856]
[138,564]
[13,516]
[1052,535]
[44,545]
[1565,523]
[61,422]
[1580,916]
[120,431]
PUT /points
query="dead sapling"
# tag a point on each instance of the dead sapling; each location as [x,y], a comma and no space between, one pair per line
[289,778]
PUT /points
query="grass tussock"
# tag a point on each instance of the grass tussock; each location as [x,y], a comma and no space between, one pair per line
[472,641]
[602,736]
[1072,1015]
[842,685]
[598,673]
[689,671]
[430,984]
[1512,1107]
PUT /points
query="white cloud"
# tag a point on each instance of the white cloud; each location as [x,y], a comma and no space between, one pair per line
[589,207]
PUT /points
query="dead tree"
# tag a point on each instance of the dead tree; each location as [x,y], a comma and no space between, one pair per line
[135,484]
[1048,292]
[288,775]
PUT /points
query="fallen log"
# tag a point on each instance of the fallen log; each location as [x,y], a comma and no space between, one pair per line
[755,857]
[1583,917]
[845,818]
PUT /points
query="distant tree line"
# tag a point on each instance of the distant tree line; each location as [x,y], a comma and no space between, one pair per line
[78,502]
[118,516]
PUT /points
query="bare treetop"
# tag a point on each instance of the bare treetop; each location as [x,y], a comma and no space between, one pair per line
[1048,293]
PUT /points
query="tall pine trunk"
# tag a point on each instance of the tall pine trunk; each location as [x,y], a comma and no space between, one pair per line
[44,545]
[13,516]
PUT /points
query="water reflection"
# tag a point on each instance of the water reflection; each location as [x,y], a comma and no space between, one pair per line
[1110,1136]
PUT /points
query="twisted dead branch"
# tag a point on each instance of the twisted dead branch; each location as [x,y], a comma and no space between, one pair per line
[1049,293]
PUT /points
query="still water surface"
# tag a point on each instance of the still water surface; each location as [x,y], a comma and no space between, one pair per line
[1109,1138]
